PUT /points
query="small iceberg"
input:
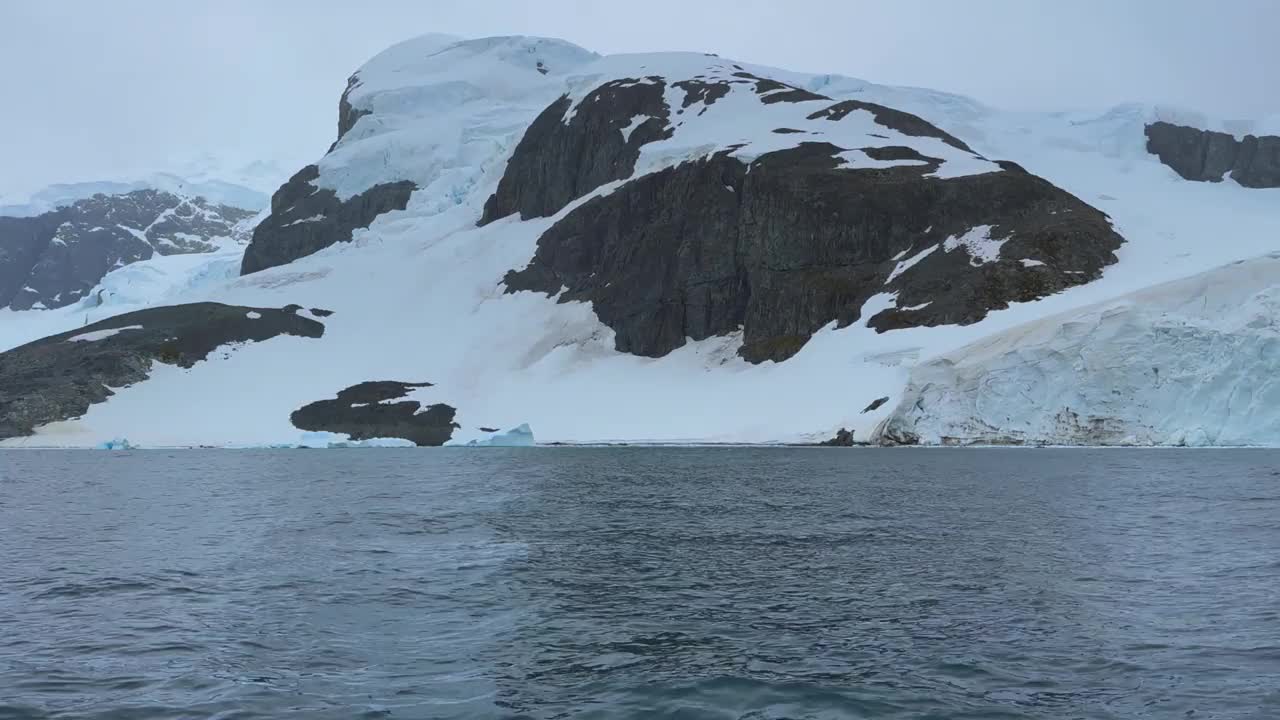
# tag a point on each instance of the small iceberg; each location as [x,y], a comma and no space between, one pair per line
[374,443]
[333,441]
[516,437]
[116,444]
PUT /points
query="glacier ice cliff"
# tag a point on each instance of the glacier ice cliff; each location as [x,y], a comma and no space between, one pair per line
[1194,362]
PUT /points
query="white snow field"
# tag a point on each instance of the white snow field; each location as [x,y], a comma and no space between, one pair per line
[418,296]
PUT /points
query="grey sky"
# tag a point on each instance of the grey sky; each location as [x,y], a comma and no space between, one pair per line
[101,90]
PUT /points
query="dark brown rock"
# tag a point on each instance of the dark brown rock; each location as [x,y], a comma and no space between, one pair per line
[875,405]
[305,219]
[891,153]
[364,412]
[776,92]
[701,91]
[1208,156]
[843,438]
[905,123]
[557,161]
[347,114]
[708,248]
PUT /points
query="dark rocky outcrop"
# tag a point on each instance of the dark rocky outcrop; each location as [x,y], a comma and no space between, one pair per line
[1208,156]
[795,240]
[305,219]
[559,160]
[55,259]
[843,438]
[772,91]
[896,153]
[875,405]
[59,377]
[905,123]
[364,412]
[348,115]
[22,242]
[701,91]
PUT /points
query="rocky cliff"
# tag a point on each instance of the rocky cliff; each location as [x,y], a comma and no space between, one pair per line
[1205,155]
[305,219]
[56,258]
[780,244]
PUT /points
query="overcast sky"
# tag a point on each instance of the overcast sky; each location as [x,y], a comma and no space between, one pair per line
[104,89]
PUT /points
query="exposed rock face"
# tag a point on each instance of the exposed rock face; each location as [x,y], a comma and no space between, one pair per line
[771,91]
[305,219]
[875,405]
[843,438]
[364,412]
[348,115]
[59,377]
[571,150]
[22,242]
[56,258]
[1209,156]
[905,123]
[795,240]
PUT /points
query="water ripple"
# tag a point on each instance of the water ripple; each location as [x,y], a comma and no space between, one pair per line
[640,583]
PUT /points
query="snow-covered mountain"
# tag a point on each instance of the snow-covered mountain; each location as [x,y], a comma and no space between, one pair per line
[245,191]
[678,247]
[56,258]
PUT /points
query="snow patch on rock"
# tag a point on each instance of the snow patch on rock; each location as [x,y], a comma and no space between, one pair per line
[101,334]
[982,248]
[910,262]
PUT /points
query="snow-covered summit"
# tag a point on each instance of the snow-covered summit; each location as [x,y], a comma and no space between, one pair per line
[247,187]
[434,110]
[517,230]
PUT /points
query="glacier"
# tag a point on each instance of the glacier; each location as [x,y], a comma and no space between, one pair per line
[1193,362]
[417,295]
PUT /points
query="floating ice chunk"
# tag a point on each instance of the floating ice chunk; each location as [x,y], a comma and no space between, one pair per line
[516,437]
[374,443]
[116,444]
[1031,263]
[101,334]
[333,441]
[253,315]
[320,440]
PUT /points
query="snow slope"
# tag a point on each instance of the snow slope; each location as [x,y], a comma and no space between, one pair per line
[418,296]
[161,280]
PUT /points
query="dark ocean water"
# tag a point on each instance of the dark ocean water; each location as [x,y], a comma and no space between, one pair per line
[640,583]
